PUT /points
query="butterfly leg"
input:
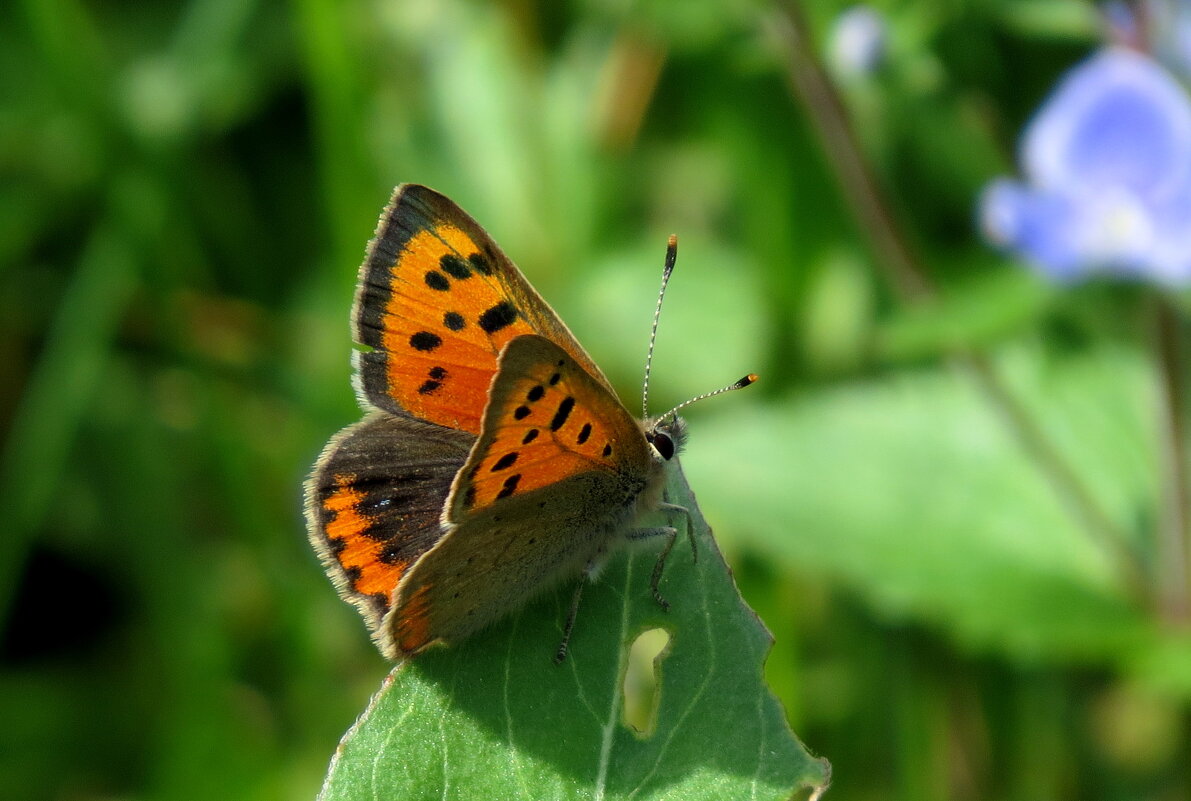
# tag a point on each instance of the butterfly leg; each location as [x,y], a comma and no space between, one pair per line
[561,654]
[671,535]
[675,509]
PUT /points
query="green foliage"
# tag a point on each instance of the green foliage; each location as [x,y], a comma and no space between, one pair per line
[914,494]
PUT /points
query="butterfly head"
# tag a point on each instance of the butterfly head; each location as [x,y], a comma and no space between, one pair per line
[666,435]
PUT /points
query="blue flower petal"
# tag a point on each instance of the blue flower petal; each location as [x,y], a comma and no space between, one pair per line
[1037,225]
[1168,258]
[858,40]
[1117,120]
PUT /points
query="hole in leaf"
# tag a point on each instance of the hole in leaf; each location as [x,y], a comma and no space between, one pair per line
[642,681]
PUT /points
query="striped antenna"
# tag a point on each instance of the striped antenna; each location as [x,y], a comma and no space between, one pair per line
[671,257]
[741,384]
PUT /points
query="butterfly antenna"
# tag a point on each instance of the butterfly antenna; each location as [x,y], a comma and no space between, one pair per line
[671,257]
[751,378]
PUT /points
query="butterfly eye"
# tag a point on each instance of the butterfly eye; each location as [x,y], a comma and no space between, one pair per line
[662,444]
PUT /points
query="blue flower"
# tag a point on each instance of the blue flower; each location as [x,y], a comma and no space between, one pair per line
[857,41]
[1107,163]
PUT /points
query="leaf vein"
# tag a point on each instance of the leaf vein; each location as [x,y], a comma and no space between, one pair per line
[608,728]
[697,696]
[514,753]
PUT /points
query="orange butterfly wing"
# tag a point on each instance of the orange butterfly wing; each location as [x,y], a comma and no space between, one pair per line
[437,301]
[547,419]
[374,505]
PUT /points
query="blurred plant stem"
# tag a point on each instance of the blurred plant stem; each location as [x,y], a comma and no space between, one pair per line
[813,88]
[902,268]
[1171,563]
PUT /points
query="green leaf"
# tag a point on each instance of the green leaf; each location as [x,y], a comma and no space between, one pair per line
[992,304]
[912,491]
[1067,19]
[495,718]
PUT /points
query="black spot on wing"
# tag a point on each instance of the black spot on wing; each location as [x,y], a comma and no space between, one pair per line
[437,281]
[521,412]
[482,263]
[505,462]
[454,266]
[509,487]
[530,436]
[536,393]
[454,321]
[502,315]
[431,385]
[564,411]
[584,433]
[425,341]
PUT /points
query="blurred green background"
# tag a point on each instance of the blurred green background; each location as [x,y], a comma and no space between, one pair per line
[946,505]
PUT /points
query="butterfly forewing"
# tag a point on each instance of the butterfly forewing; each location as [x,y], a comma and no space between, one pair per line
[546,420]
[375,500]
[436,303]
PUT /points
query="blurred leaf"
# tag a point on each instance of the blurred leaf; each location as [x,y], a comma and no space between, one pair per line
[1060,18]
[912,492]
[981,310]
[494,718]
[1164,663]
[837,325]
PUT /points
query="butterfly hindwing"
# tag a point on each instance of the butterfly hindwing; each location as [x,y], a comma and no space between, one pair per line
[546,420]
[436,303]
[374,504]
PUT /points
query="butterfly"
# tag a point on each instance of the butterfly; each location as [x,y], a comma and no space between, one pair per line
[493,460]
